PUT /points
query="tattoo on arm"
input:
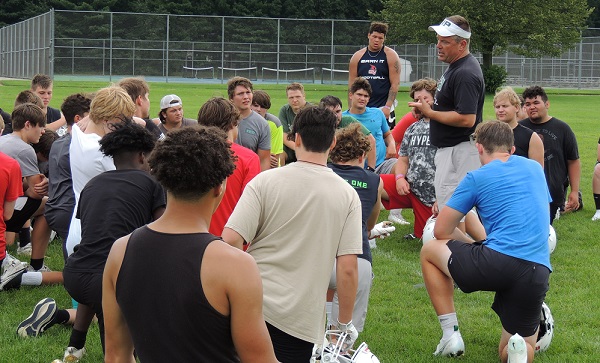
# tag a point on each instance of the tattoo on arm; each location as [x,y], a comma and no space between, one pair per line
[397,66]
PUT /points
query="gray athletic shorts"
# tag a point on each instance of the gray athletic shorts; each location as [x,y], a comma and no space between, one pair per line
[386,166]
[451,166]
[365,280]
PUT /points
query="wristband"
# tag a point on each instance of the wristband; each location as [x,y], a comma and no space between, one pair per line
[344,327]
[388,107]
[399,176]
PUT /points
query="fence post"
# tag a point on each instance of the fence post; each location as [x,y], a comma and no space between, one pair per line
[167,52]
[110,51]
[278,45]
[222,47]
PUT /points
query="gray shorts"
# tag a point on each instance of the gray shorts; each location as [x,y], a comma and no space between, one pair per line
[386,166]
[365,280]
[451,166]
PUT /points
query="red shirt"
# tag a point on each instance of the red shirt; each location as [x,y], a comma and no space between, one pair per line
[247,167]
[400,128]
[11,187]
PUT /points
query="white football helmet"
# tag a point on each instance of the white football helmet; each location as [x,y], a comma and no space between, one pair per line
[546,329]
[332,351]
[552,239]
[428,230]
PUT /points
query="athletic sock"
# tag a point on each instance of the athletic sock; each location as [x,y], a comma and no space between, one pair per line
[77,338]
[31,279]
[60,317]
[24,237]
[597,201]
[449,324]
[36,263]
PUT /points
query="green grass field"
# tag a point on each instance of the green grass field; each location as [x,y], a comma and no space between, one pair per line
[401,324]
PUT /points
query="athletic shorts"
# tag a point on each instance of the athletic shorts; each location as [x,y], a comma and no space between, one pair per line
[289,349]
[20,216]
[451,166]
[386,166]
[520,285]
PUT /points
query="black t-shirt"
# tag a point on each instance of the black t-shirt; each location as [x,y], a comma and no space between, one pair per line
[7,122]
[460,89]
[366,184]
[160,292]
[154,130]
[522,136]
[112,205]
[52,115]
[560,146]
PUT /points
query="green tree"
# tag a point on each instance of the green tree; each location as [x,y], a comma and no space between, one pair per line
[523,27]
[594,19]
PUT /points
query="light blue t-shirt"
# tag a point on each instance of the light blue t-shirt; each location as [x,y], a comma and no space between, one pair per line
[374,120]
[512,199]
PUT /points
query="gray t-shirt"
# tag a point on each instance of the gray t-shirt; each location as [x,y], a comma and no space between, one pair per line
[254,133]
[185,122]
[13,146]
[421,161]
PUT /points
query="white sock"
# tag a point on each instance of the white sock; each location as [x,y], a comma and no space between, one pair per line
[396,212]
[449,324]
[31,279]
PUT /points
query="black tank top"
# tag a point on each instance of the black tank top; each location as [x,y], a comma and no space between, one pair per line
[161,297]
[366,184]
[522,136]
[374,68]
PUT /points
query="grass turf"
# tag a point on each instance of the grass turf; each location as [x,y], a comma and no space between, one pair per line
[401,324]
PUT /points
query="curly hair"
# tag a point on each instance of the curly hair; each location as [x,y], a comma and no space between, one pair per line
[46,140]
[126,137]
[534,91]
[351,144]
[316,127]
[427,84]
[75,105]
[220,113]
[191,161]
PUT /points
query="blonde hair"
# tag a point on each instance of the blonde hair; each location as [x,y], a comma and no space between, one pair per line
[111,103]
[509,94]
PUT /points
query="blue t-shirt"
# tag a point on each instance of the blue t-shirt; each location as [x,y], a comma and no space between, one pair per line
[374,120]
[512,199]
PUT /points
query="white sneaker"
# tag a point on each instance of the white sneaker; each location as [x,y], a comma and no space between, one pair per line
[44,268]
[396,217]
[25,250]
[11,277]
[73,355]
[596,216]
[451,347]
[517,349]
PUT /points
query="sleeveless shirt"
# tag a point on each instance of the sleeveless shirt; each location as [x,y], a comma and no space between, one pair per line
[375,70]
[366,184]
[160,294]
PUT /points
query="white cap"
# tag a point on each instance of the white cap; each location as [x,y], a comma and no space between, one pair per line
[448,28]
[170,101]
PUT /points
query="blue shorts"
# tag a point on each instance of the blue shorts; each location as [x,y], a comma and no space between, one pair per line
[520,285]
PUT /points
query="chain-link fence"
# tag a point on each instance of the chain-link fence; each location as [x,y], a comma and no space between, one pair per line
[76,44]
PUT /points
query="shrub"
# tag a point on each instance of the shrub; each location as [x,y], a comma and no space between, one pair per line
[495,77]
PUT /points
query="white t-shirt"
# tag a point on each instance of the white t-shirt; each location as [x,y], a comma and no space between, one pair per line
[297,219]
[86,162]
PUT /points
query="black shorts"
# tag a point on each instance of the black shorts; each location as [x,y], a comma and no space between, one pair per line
[19,217]
[520,285]
[289,349]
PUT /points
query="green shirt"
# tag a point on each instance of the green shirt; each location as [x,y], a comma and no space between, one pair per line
[347,120]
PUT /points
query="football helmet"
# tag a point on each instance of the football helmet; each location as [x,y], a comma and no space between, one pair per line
[333,350]
[546,329]
[552,239]
[428,230]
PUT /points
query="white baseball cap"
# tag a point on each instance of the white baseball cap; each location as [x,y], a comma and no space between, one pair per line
[170,101]
[448,28]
